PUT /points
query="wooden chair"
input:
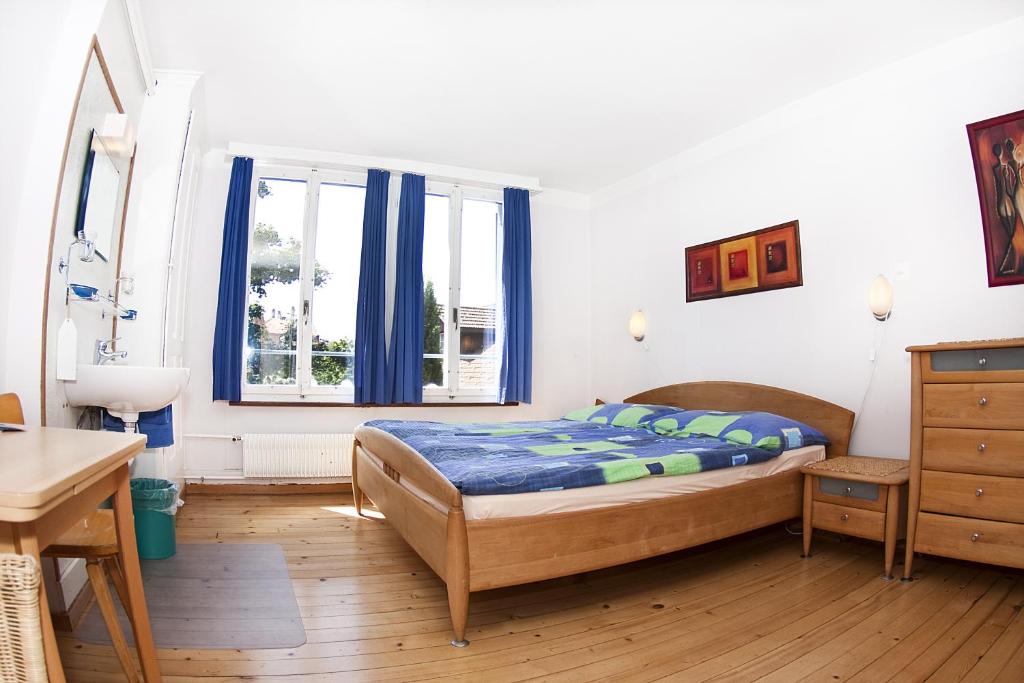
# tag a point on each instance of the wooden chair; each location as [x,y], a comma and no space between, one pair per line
[93,539]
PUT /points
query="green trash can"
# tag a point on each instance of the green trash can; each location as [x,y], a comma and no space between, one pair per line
[154,501]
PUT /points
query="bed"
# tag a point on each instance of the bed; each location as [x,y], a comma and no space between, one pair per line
[490,550]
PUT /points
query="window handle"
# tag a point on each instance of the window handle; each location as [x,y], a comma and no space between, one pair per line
[305,309]
[455,316]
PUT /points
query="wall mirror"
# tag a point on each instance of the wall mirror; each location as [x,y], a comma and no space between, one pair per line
[89,204]
[97,198]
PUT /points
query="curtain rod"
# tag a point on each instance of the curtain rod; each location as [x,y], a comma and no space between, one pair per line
[291,156]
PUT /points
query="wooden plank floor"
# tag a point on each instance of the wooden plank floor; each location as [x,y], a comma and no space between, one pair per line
[740,610]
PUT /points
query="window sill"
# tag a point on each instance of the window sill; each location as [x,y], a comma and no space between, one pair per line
[337,404]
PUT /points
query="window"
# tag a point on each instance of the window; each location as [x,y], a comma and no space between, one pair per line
[302,300]
[304,259]
[461,271]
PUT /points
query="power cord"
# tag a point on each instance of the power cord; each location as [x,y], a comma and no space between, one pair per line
[880,341]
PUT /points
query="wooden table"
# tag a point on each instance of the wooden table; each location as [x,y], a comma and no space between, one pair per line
[50,479]
[859,496]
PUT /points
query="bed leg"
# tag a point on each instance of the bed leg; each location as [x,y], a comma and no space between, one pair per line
[357,494]
[457,570]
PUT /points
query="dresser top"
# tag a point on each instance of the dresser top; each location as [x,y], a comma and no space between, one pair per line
[971,345]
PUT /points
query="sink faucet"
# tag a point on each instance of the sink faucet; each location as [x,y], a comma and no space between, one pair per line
[102,353]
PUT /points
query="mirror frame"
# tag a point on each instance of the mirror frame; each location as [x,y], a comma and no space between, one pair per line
[97,52]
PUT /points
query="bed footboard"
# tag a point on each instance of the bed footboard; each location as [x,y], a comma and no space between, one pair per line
[423,506]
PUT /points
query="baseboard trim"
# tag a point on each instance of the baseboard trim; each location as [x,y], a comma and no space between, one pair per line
[66,621]
[266,489]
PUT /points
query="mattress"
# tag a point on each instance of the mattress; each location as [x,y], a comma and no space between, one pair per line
[635,491]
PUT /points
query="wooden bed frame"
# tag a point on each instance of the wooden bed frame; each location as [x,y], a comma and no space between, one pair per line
[475,555]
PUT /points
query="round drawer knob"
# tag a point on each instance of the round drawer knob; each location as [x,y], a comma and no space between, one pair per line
[849,490]
[975,537]
[843,517]
[982,447]
[979,492]
[983,361]
[982,401]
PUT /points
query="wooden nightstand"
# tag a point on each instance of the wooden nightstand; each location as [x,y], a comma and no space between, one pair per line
[858,496]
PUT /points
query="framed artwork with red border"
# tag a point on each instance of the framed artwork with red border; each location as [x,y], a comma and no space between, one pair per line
[997,149]
[755,261]
[702,271]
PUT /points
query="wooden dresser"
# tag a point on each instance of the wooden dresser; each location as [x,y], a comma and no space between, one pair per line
[967,452]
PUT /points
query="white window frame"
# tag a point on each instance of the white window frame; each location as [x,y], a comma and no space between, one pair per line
[304,391]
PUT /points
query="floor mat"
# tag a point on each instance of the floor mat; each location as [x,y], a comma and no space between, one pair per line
[214,596]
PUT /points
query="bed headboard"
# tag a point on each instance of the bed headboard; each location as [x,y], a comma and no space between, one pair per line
[833,421]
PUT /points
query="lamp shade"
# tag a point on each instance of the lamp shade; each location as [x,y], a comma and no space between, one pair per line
[638,325]
[880,298]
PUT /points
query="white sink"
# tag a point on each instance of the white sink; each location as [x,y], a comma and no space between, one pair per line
[126,390]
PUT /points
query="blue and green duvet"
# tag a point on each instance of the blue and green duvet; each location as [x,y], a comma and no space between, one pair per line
[599,445]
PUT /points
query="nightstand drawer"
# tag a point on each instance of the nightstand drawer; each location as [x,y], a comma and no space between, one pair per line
[991,406]
[973,495]
[970,539]
[974,451]
[853,489]
[848,520]
[852,493]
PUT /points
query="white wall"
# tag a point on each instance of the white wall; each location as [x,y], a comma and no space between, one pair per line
[27,39]
[878,172]
[157,239]
[50,43]
[561,336]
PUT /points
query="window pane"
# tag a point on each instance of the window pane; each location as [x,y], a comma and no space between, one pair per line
[478,295]
[339,234]
[435,289]
[274,281]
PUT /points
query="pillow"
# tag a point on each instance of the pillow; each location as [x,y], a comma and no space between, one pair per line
[621,414]
[762,430]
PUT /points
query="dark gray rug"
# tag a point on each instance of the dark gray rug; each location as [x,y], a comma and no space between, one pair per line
[214,596]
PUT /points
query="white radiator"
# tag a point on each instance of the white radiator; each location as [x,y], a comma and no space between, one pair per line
[297,455]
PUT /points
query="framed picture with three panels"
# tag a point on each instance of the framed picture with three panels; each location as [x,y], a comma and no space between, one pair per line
[756,261]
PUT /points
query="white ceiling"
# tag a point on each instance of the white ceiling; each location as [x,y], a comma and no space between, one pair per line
[577,93]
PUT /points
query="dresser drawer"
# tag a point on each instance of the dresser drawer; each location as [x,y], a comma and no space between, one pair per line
[978,360]
[848,520]
[973,495]
[970,539]
[975,365]
[992,406]
[974,451]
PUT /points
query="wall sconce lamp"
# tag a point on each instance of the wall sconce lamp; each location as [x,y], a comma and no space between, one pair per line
[118,134]
[880,298]
[638,325]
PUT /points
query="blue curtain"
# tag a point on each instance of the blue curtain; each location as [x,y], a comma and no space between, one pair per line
[229,334]
[370,352]
[515,382]
[405,356]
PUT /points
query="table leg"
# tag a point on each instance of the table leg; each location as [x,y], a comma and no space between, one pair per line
[26,543]
[124,522]
[892,522]
[808,506]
